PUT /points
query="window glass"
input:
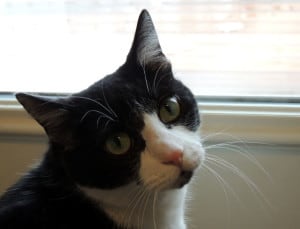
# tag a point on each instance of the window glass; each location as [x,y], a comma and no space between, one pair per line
[218,48]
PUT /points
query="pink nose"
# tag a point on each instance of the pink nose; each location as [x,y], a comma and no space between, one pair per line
[174,158]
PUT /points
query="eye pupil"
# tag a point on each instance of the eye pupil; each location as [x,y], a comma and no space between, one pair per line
[170,110]
[118,143]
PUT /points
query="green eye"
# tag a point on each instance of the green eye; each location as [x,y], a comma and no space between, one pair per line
[169,110]
[118,143]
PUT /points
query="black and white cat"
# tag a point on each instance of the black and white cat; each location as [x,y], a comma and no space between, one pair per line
[121,152]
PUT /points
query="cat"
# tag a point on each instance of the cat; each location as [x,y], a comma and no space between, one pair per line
[121,152]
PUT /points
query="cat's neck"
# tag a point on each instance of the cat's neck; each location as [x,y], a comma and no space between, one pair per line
[133,207]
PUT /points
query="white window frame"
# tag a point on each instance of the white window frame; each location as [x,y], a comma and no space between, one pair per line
[250,122]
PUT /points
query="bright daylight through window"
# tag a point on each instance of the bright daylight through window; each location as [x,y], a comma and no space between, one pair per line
[219,48]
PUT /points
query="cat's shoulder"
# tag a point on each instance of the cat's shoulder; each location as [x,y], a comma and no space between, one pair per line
[32,204]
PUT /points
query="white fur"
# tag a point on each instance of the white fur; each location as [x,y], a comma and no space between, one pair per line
[131,206]
[154,204]
[160,140]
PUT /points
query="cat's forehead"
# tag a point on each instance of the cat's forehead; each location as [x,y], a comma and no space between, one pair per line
[140,84]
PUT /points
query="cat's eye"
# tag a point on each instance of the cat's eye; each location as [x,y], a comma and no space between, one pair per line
[118,143]
[169,110]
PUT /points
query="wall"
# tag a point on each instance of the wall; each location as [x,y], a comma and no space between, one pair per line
[233,204]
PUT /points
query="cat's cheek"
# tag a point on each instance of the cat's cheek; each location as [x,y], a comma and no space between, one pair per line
[156,176]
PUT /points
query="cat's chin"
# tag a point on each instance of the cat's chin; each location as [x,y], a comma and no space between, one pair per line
[183,179]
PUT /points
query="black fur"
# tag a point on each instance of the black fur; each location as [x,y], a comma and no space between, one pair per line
[77,127]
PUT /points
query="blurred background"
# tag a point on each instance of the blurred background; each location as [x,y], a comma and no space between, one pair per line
[218,47]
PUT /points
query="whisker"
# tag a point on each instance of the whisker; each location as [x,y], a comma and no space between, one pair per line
[129,209]
[138,200]
[153,210]
[161,78]
[155,77]
[212,135]
[94,101]
[154,182]
[96,111]
[243,152]
[144,210]
[106,102]
[98,120]
[222,182]
[253,187]
[236,139]
[145,75]
[106,124]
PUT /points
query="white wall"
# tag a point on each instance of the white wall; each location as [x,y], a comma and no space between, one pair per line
[211,206]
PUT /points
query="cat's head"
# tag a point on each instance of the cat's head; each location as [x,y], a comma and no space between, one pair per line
[138,124]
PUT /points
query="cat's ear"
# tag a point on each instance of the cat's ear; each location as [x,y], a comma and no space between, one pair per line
[51,114]
[145,49]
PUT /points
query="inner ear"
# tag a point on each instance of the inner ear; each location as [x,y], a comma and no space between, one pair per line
[146,48]
[51,114]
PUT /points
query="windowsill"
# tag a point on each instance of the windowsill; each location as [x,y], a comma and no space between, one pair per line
[252,122]
[270,165]
[256,122]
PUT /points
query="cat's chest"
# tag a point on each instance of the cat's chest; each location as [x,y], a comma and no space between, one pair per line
[137,209]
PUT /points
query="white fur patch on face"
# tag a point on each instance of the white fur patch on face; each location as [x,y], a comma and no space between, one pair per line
[158,171]
[155,203]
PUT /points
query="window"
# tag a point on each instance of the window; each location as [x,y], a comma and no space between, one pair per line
[242,58]
[218,48]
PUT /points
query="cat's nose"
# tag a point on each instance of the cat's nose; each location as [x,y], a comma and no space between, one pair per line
[174,158]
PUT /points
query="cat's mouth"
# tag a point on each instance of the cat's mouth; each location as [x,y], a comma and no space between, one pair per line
[183,179]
